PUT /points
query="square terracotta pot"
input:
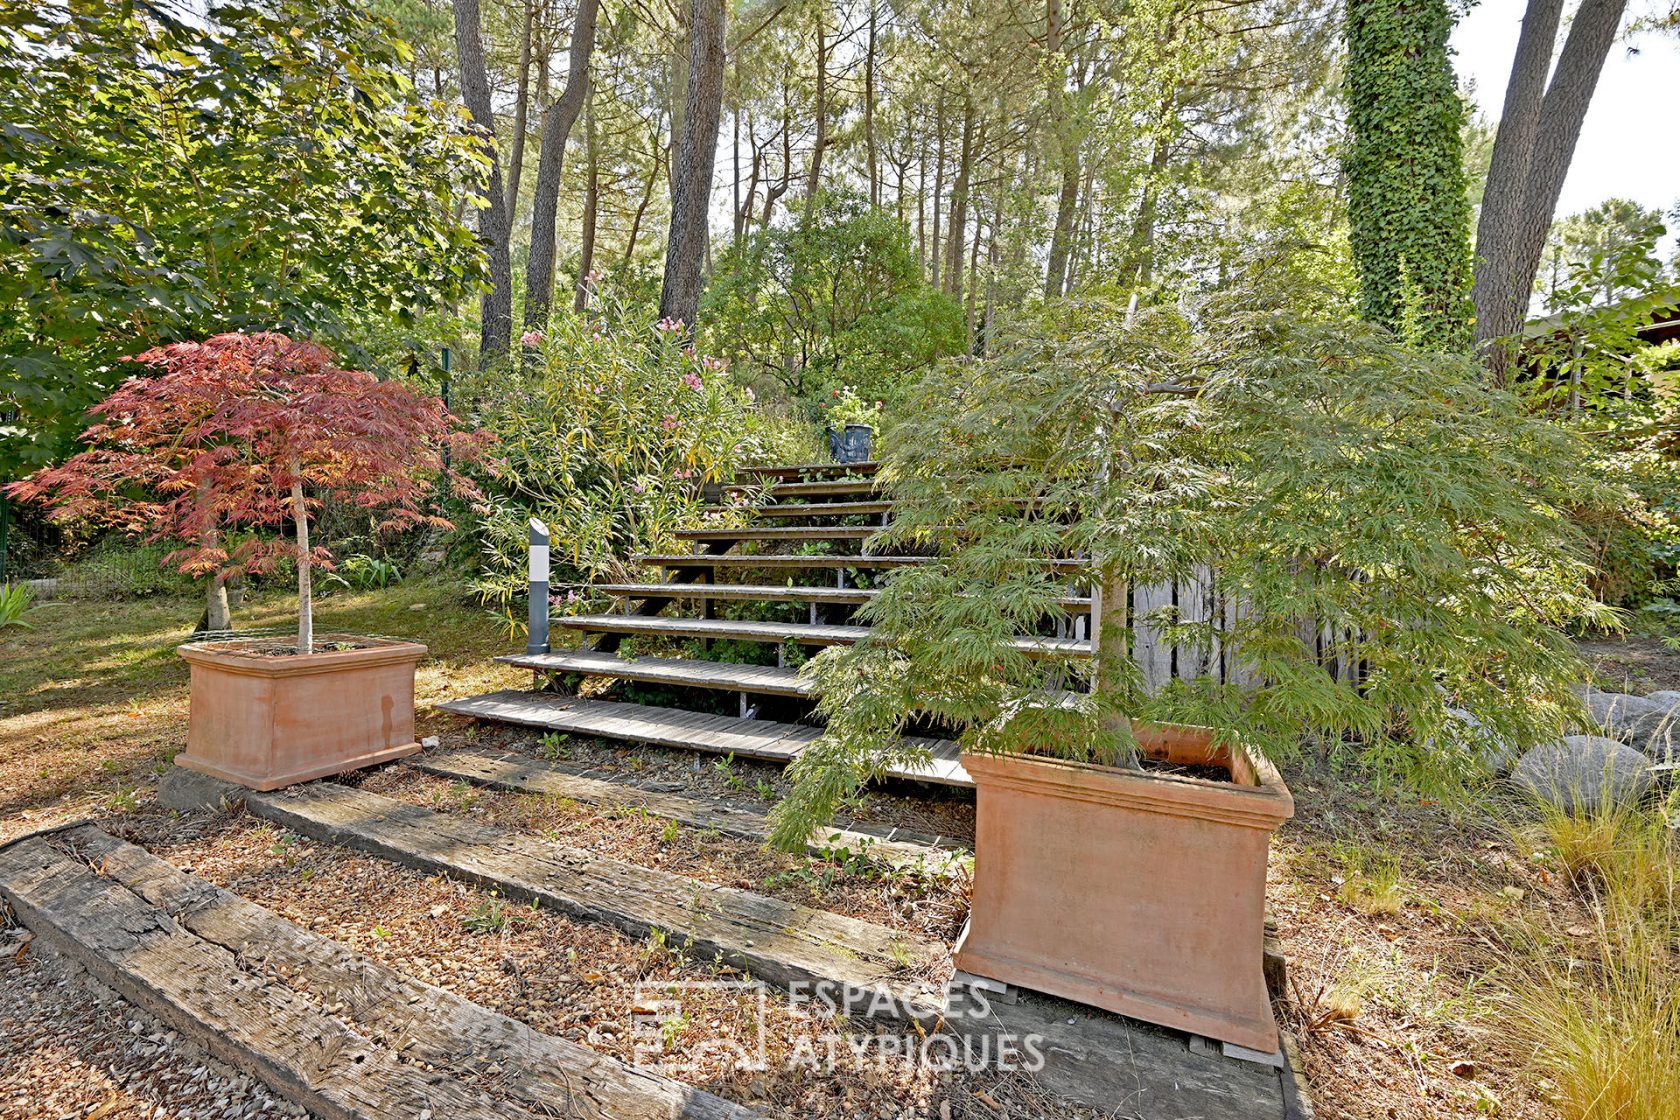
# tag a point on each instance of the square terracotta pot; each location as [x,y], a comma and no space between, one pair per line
[1136,891]
[269,721]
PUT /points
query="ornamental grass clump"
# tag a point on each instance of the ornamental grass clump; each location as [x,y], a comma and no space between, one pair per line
[1325,479]
[241,436]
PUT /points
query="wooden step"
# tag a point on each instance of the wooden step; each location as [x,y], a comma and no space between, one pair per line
[1089,1056]
[799,470]
[829,488]
[813,509]
[768,593]
[800,633]
[520,773]
[697,731]
[782,533]
[335,1032]
[685,672]
[774,593]
[778,560]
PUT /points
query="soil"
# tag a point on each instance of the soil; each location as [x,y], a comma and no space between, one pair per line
[1635,665]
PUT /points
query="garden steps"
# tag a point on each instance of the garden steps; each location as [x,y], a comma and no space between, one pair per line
[782,533]
[778,560]
[799,633]
[1090,1057]
[517,772]
[335,1032]
[684,672]
[800,470]
[813,509]
[772,592]
[826,488]
[767,740]
[823,560]
[769,592]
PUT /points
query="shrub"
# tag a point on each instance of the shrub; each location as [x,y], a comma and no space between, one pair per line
[241,436]
[609,435]
[1332,480]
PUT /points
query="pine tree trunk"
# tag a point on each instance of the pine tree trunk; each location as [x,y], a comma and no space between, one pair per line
[937,245]
[545,205]
[1530,167]
[872,159]
[813,182]
[956,238]
[521,109]
[591,209]
[496,307]
[1067,155]
[679,296]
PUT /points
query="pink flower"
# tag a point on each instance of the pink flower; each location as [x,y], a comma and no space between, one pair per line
[682,474]
[692,380]
[669,422]
[531,338]
[752,397]
[594,276]
[667,325]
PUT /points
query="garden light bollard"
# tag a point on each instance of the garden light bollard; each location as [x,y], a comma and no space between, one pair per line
[537,641]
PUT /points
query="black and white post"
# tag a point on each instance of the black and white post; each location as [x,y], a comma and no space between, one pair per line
[538,629]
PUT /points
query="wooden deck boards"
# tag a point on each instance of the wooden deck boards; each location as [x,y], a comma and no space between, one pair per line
[819,489]
[769,592]
[799,470]
[1090,1057]
[800,633]
[782,533]
[816,509]
[686,672]
[333,1031]
[777,560]
[670,727]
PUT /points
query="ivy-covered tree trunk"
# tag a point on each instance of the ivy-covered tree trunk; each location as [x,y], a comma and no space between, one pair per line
[1407,207]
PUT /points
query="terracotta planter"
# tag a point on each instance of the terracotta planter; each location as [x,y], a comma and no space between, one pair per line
[1136,891]
[266,721]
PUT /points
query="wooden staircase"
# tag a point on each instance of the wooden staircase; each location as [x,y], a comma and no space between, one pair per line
[806,546]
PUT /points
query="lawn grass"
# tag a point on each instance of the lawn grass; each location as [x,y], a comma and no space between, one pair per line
[93,699]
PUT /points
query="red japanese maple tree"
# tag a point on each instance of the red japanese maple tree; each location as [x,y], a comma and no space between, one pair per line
[247,432]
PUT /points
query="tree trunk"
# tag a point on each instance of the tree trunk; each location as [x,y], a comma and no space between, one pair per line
[691,179]
[642,207]
[521,107]
[1067,155]
[305,564]
[937,245]
[496,307]
[959,205]
[591,208]
[1531,156]
[545,205]
[873,160]
[813,181]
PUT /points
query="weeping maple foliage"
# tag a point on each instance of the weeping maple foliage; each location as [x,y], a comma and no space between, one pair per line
[250,433]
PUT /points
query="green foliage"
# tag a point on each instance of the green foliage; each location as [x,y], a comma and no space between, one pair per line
[1407,200]
[609,436]
[165,177]
[837,300]
[362,572]
[16,600]
[1330,479]
[1601,255]
[844,406]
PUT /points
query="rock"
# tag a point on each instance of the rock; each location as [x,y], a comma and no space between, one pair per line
[1644,723]
[188,791]
[1583,771]
[1465,731]
[1668,698]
